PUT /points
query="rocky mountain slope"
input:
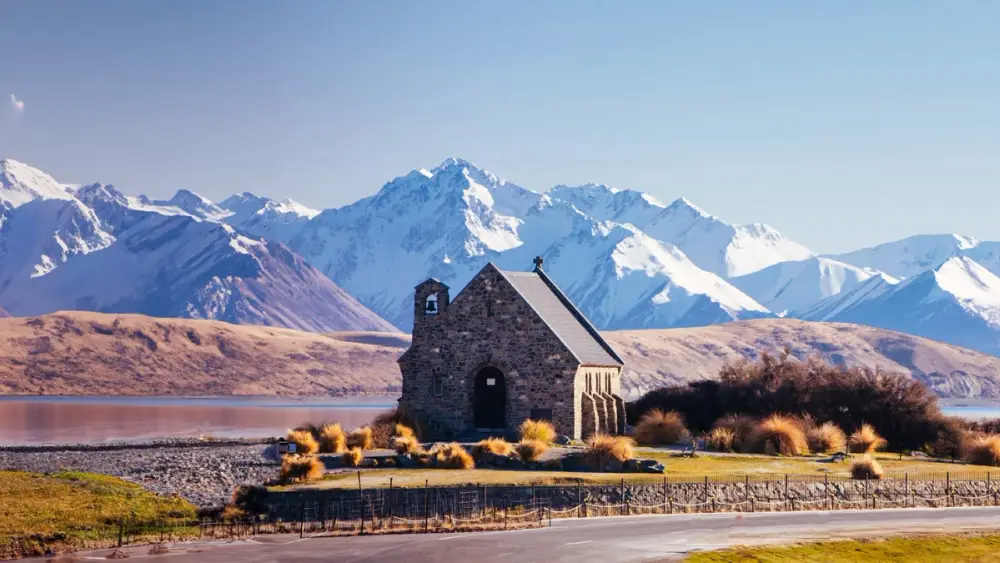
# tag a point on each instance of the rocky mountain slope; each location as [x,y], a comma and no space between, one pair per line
[97,354]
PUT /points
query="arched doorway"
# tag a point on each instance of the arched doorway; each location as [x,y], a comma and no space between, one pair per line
[489,403]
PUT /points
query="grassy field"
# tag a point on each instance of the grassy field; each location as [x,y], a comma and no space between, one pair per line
[73,509]
[926,549]
[676,468]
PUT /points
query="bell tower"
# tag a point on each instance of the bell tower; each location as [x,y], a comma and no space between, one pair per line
[430,302]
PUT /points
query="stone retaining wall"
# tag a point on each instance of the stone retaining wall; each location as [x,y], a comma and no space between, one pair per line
[734,495]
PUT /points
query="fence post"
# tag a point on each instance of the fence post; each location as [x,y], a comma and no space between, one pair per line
[302,520]
[746,488]
[486,496]
[504,514]
[786,491]
[427,508]
[664,491]
[705,499]
[826,489]
[866,485]
[581,509]
[947,478]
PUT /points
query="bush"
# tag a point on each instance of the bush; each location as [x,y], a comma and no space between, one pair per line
[305,443]
[451,456]
[362,438]
[406,445]
[742,428]
[540,430]
[983,449]
[899,407]
[951,437]
[300,468]
[865,440]
[332,439]
[531,450]
[658,428]
[353,457]
[402,416]
[779,435]
[602,448]
[866,468]
[720,440]
[497,446]
[827,438]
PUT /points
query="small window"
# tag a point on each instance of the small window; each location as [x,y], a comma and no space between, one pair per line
[438,385]
[489,308]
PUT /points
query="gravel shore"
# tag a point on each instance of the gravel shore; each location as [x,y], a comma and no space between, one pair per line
[203,472]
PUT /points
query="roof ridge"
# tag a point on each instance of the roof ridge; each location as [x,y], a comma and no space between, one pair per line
[579,315]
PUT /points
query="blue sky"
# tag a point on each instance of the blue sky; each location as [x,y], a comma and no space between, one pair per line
[842,124]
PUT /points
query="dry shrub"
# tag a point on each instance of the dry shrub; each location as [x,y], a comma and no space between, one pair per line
[531,450]
[541,430]
[332,439]
[779,435]
[403,431]
[659,428]
[865,440]
[742,428]
[406,445]
[497,446]
[866,468]
[305,442]
[721,440]
[827,438]
[451,456]
[402,416]
[353,457]
[362,438]
[300,468]
[602,448]
[983,449]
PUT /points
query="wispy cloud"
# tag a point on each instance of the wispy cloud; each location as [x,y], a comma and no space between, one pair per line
[17,104]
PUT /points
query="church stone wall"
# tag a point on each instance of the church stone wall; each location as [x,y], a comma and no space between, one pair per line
[450,348]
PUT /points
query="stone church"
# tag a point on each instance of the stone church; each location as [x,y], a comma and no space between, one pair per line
[509,346]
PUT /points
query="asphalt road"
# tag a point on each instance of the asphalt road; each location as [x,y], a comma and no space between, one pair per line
[611,539]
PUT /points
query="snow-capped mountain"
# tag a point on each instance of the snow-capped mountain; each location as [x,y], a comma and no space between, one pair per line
[100,250]
[265,217]
[920,253]
[956,302]
[711,243]
[192,204]
[20,183]
[449,221]
[798,284]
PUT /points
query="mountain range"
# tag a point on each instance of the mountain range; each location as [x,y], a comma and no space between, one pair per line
[628,260]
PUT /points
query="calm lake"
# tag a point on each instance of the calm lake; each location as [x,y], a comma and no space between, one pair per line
[61,420]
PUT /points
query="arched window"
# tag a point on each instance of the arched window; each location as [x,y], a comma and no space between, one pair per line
[431,305]
[489,308]
[438,384]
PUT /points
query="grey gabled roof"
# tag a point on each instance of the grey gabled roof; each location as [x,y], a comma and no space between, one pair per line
[562,317]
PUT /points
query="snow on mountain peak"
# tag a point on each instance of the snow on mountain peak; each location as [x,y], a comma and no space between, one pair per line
[683,204]
[195,205]
[967,281]
[20,183]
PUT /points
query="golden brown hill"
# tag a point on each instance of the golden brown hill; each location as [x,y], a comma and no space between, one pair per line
[80,353]
[98,354]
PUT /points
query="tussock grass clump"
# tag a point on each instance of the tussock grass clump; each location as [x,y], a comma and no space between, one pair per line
[541,430]
[497,446]
[865,440]
[531,450]
[353,457]
[402,416]
[983,449]
[659,428]
[332,439]
[721,439]
[779,435]
[406,445]
[742,428]
[363,438]
[305,442]
[602,448]
[403,431]
[300,469]
[451,456]
[827,438]
[866,468]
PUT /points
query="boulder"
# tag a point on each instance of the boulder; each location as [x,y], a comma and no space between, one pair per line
[406,460]
[632,466]
[564,440]
[656,467]
[614,466]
